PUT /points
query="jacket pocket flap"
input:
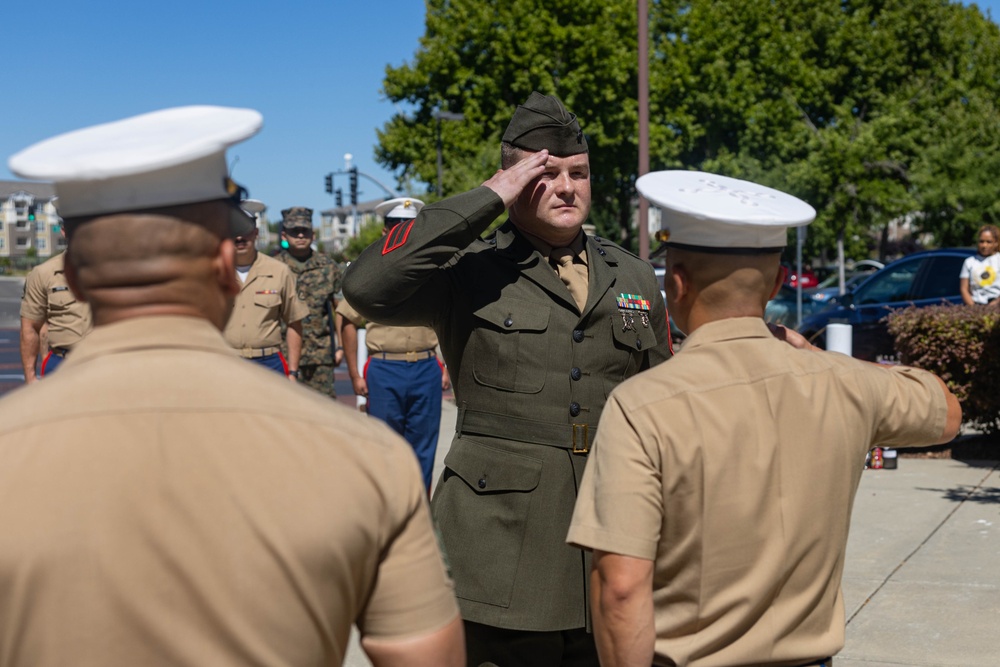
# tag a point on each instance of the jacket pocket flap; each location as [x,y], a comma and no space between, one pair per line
[486,469]
[515,315]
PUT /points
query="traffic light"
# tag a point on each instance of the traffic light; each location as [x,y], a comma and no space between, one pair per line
[354,186]
[329,184]
[339,194]
[31,212]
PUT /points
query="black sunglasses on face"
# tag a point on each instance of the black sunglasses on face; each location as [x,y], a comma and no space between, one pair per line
[299,231]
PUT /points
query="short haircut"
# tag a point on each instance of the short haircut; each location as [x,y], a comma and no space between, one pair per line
[510,154]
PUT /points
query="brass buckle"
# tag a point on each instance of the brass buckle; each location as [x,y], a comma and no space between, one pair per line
[581,444]
[411,357]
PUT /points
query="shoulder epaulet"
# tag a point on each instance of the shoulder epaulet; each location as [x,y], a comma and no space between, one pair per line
[606,246]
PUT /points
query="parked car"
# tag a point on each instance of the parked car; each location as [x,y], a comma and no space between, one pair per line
[783,308]
[922,279]
[829,287]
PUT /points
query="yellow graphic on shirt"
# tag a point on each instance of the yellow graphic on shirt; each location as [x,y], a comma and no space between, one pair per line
[987,277]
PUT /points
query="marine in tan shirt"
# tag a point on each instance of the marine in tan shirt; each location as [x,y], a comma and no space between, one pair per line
[267,298]
[48,302]
[188,508]
[718,497]
[403,378]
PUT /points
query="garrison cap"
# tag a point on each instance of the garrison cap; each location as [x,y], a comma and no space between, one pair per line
[297,216]
[399,208]
[544,123]
[158,159]
[710,213]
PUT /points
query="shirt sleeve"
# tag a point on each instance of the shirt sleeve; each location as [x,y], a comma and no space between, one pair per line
[412,594]
[966,268]
[913,408]
[347,311]
[619,508]
[293,308]
[34,302]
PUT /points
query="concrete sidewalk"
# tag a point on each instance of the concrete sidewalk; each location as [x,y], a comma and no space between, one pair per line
[922,578]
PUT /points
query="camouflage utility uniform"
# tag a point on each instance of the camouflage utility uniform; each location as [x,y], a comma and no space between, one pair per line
[317,282]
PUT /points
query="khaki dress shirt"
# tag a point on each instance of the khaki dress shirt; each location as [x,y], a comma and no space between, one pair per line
[47,298]
[188,508]
[382,338]
[733,467]
[266,299]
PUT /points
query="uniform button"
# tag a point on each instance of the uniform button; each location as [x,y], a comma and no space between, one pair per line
[482,483]
[578,335]
[508,322]
[600,251]
[638,344]
[574,409]
[575,374]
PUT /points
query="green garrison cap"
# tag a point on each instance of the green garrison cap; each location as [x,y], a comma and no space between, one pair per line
[544,123]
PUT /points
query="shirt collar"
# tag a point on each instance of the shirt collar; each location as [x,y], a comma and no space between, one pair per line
[151,332]
[728,329]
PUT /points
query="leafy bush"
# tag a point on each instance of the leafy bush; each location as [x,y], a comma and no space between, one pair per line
[960,344]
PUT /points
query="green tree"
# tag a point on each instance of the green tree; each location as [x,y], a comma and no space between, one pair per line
[872,110]
[482,59]
[370,232]
[861,107]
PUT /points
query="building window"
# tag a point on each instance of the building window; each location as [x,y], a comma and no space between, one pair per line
[41,244]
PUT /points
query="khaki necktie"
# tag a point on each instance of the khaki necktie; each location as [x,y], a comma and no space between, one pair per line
[571,274]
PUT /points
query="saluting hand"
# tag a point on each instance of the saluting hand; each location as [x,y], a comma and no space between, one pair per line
[508,183]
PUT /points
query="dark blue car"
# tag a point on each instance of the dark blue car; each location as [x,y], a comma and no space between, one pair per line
[922,279]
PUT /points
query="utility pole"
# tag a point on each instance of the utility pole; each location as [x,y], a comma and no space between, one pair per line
[439,116]
[643,124]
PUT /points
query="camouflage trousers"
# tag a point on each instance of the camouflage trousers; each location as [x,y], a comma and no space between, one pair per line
[319,377]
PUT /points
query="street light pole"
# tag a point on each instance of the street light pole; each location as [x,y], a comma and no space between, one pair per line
[439,116]
[643,124]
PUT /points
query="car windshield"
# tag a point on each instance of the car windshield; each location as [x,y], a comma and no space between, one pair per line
[890,285]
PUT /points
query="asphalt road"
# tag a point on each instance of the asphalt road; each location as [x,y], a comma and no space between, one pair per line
[11,375]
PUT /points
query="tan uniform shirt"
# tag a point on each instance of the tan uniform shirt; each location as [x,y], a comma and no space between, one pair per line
[267,299]
[733,467]
[382,338]
[188,508]
[47,298]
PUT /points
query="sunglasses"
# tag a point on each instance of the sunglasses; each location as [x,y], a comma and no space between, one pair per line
[299,231]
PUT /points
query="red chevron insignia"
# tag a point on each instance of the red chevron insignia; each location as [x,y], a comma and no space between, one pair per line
[397,236]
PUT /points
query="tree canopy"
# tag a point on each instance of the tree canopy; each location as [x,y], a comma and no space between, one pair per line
[874,111]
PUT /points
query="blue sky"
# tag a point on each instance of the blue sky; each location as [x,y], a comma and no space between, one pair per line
[313,69]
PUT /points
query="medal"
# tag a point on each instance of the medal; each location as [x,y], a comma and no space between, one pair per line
[631,304]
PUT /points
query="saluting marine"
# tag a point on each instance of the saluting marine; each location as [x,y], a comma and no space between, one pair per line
[537,324]
[718,498]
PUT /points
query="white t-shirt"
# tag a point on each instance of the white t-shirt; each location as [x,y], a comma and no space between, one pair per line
[982,272]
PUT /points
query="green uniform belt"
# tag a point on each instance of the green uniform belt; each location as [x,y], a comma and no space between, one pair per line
[575,437]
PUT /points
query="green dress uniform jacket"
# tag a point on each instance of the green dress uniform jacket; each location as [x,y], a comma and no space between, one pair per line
[531,375]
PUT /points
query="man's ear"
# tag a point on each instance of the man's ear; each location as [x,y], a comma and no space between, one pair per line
[224,266]
[69,272]
[779,280]
[680,281]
